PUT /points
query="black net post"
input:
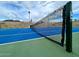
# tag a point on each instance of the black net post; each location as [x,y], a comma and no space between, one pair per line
[68,10]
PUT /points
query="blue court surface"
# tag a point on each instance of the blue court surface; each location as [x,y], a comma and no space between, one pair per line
[19,34]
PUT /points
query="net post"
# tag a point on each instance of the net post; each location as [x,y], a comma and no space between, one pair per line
[68,9]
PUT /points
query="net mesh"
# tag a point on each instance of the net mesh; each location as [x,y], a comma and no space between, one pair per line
[50,26]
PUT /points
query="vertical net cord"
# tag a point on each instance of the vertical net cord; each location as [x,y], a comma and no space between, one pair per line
[63,29]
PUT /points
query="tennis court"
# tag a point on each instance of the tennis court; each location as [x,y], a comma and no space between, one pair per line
[56,34]
[39,47]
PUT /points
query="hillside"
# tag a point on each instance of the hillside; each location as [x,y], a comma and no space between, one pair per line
[10,24]
[56,24]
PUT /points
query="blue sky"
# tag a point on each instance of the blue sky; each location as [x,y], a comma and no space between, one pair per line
[18,10]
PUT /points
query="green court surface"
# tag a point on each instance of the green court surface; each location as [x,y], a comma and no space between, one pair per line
[39,47]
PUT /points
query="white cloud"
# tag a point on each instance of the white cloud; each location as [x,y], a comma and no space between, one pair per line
[39,9]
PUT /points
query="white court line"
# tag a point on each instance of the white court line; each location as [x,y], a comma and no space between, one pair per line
[26,40]
[31,39]
[22,41]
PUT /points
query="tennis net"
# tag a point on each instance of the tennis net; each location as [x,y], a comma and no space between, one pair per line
[52,26]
